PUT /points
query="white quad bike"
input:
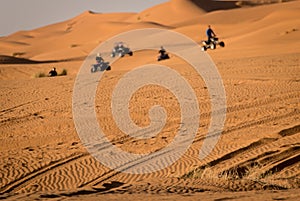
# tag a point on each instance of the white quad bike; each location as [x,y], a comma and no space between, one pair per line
[214,42]
[121,49]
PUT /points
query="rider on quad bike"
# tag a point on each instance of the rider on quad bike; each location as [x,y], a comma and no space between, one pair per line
[210,34]
[212,40]
[121,49]
[162,54]
[100,65]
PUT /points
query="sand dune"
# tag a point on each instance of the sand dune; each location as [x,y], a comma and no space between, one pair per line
[257,156]
[67,42]
[15,60]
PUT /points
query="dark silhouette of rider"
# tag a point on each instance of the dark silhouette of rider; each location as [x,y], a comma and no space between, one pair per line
[162,51]
[99,59]
[53,72]
[210,34]
[162,54]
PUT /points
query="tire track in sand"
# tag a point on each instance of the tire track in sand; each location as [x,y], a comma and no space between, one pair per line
[26,180]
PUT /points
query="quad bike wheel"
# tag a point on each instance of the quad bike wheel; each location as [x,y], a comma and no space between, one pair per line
[222,44]
[212,46]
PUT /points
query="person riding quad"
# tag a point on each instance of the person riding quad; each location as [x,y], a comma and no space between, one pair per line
[53,72]
[212,40]
[100,64]
[162,51]
[99,59]
[162,54]
[121,49]
[210,34]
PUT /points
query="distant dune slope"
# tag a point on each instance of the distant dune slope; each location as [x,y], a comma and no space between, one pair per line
[76,37]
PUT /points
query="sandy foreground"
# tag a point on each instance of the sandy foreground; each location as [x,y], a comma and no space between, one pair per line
[256,157]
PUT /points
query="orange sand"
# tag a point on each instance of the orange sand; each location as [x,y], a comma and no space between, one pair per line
[258,153]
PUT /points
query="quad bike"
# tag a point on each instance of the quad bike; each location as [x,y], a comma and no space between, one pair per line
[163,54]
[101,65]
[212,44]
[163,57]
[121,49]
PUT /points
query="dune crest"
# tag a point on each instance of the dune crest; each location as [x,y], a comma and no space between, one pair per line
[65,40]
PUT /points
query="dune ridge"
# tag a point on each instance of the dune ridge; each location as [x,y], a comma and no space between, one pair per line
[66,39]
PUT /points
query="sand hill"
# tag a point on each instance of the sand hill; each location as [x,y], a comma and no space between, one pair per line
[257,156]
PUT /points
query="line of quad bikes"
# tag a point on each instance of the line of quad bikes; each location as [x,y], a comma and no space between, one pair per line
[121,49]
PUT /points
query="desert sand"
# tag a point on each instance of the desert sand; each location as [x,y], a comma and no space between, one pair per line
[256,157]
